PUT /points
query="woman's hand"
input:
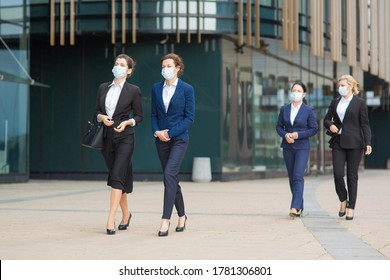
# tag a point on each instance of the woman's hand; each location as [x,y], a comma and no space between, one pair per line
[333,128]
[289,138]
[294,135]
[163,135]
[368,150]
[123,125]
[105,119]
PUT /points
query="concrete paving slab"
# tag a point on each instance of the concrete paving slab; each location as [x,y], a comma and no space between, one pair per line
[65,220]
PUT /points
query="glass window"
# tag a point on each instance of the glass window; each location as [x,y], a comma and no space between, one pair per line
[14,88]
[254,87]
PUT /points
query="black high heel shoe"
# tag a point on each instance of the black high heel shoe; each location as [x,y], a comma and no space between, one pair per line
[349,218]
[164,233]
[294,215]
[342,213]
[181,229]
[124,227]
[111,231]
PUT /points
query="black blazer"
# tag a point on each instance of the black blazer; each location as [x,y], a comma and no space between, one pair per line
[129,106]
[356,132]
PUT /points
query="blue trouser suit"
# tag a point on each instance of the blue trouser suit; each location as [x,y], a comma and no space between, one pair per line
[171,155]
[296,161]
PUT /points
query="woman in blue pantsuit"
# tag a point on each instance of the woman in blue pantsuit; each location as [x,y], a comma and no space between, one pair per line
[296,123]
[173,112]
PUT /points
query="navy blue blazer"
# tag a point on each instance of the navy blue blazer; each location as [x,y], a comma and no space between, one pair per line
[356,132]
[181,110]
[305,124]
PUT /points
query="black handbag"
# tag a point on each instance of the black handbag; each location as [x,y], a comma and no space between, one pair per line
[93,138]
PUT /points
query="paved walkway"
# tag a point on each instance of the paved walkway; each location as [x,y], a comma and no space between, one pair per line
[226,221]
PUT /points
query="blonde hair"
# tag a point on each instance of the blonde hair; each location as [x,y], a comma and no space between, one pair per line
[352,82]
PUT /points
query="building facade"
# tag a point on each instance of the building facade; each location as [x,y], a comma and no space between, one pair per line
[240,55]
[15,84]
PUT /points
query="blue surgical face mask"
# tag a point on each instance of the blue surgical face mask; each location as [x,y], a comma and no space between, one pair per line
[168,73]
[119,71]
[343,90]
[296,96]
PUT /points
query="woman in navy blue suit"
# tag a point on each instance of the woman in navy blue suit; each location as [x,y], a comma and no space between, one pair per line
[296,123]
[173,112]
[347,120]
[115,102]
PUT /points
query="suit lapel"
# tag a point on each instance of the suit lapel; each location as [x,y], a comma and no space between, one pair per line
[176,93]
[299,113]
[122,98]
[159,96]
[351,103]
[174,96]
[103,98]
[335,115]
[287,113]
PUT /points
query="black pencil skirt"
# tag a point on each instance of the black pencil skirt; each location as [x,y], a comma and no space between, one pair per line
[118,153]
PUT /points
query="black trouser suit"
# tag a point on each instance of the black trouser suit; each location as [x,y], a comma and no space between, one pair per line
[351,159]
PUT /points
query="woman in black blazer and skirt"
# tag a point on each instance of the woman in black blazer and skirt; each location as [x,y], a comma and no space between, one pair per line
[347,121]
[116,101]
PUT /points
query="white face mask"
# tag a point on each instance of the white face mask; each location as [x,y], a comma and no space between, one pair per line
[296,96]
[119,71]
[343,90]
[168,73]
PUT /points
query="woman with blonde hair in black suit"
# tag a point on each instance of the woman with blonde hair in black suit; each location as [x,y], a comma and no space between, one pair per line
[115,102]
[347,122]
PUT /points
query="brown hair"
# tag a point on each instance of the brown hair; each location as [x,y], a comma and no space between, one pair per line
[129,60]
[352,82]
[177,60]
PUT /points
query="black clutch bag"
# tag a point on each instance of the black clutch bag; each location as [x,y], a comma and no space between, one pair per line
[93,137]
[330,133]
[332,137]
